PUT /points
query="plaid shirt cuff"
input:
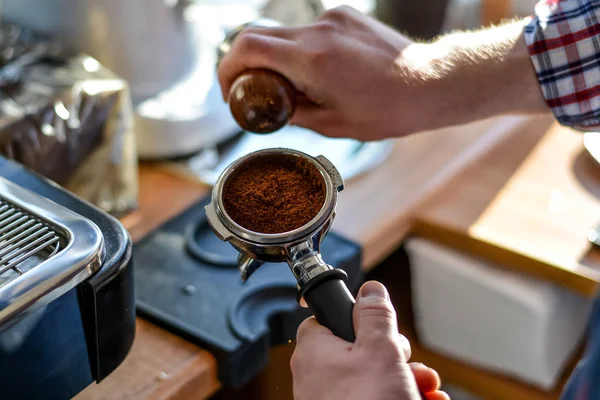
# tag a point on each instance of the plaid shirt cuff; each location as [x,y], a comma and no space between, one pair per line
[563,39]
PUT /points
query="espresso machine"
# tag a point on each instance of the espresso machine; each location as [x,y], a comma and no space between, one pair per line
[67,312]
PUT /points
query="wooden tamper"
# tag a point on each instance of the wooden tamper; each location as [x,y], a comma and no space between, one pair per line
[262,101]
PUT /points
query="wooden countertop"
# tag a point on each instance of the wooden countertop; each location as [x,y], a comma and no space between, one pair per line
[527,205]
[375,210]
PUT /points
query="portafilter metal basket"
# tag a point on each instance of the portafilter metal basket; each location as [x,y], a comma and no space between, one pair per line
[322,286]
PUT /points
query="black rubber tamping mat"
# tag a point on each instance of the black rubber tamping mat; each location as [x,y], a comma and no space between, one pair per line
[187,280]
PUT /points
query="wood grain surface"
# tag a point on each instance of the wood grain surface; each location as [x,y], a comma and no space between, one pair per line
[159,366]
[494,11]
[528,205]
[377,209]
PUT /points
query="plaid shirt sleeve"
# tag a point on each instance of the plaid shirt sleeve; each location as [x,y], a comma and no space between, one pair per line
[563,39]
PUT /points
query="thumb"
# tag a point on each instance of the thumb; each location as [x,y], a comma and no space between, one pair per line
[375,320]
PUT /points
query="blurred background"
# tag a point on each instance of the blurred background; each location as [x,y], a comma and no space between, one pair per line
[118,102]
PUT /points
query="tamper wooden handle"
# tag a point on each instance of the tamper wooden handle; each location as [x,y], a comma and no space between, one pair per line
[262,101]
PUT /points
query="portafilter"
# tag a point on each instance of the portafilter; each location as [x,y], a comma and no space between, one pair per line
[323,287]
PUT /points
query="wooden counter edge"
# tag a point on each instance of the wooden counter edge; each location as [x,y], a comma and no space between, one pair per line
[197,379]
[384,240]
[482,382]
[579,282]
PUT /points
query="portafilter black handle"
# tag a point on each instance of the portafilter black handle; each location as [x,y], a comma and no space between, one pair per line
[331,302]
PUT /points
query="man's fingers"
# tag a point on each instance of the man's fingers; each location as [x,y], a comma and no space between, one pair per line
[309,328]
[312,116]
[437,395]
[251,50]
[306,327]
[427,379]
[375,320]
[279,32]
[303,302]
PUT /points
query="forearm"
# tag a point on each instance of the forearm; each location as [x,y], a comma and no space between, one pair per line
[473,75]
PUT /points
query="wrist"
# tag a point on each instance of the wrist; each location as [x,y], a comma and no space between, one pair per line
[430,83]
[418,74]
[467,76]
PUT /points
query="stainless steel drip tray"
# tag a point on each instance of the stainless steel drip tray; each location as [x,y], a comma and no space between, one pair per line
[45,250]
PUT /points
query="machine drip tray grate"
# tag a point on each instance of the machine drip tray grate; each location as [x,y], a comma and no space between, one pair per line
[25,241]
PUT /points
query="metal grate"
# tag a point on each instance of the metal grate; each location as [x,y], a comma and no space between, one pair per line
[25,242]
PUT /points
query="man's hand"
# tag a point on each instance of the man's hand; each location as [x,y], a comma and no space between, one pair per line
[342,66]
[374,367]
[358,78]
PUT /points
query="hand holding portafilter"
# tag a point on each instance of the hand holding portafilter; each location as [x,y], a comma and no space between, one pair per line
[322,286]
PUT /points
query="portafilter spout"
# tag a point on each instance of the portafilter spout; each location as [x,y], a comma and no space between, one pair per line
[323,287]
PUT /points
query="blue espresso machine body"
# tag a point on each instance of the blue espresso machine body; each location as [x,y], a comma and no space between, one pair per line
[55,352]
